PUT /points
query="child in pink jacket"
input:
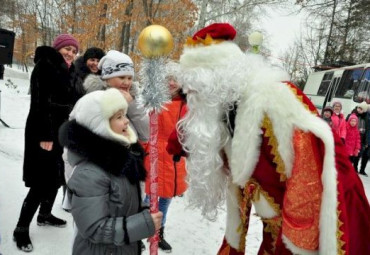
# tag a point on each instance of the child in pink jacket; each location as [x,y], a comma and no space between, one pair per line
[338,121]
[353,139]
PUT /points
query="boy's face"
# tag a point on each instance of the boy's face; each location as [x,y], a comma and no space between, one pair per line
[327,114]
[122,83]
[353,122]
[119,123]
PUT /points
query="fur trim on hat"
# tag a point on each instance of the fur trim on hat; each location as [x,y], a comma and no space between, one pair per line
[210,56]
[116,64]
[94,111]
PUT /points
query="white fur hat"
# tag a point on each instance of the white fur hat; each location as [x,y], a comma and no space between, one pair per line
[115,64]
[363,105]
[94,110]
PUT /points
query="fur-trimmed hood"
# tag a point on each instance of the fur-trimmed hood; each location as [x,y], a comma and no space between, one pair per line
[111,156]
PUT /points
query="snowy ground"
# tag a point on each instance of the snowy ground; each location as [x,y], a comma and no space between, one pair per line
[186,231]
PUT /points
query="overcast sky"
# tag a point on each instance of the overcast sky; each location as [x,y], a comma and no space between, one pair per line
[281,30]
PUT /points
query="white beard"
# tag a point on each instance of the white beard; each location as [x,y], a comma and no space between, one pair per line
[203,133]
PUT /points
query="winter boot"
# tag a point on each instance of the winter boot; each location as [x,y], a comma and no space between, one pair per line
[51,220]
[363,173]
[162,244]
[21,236]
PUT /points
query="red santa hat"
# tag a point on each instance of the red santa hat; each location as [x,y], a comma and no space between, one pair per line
[211,46]
[214,33]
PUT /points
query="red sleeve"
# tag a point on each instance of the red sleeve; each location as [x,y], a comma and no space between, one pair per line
[174,147]
[358,142]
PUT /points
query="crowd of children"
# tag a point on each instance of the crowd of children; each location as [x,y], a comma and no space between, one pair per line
[354,130]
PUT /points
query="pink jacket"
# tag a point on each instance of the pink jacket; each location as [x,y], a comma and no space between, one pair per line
[339,125]
[353,138]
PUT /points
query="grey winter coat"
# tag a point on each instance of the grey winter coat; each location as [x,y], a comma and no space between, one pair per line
[105,194]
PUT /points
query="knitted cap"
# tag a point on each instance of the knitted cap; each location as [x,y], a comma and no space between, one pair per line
[115,64]
[93,52]
[352,116]
[94,110]
[64,40]
[337,103]
[328,108]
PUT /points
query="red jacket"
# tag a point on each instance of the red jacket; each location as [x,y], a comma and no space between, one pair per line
[353,138]
[171,175]
[339,125]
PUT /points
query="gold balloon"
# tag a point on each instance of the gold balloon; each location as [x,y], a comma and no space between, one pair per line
[155,41]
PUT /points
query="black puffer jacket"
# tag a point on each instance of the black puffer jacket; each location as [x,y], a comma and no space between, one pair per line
[53,95]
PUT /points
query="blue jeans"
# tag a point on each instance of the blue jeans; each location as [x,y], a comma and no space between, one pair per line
[163,205]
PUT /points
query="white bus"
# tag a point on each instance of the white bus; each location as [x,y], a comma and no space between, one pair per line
[349,85]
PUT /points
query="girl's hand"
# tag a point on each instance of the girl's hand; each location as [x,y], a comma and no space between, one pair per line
[127,96]
[48,146]
[157,219]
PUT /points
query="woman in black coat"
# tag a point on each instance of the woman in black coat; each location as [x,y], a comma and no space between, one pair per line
[53,95]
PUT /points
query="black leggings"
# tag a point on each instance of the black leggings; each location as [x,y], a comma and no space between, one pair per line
[37,196]
[364,159]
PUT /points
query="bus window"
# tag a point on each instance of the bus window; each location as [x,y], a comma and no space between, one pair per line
[363,92]
[349,83]
[324,86]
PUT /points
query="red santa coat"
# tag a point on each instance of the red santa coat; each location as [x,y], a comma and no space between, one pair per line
[297,174]
[171,175]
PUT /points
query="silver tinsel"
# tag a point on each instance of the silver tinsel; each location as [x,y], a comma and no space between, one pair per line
[155,92]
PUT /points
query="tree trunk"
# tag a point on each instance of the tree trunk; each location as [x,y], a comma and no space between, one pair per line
[102,30]
[203,14]
[326,55]
[347,27]
[126,27]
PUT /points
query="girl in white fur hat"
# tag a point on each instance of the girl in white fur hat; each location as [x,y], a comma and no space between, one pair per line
[104,188]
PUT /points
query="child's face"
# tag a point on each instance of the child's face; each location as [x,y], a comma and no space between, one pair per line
[353,122]
[119,123]
[337,108]
[173,86]
[122,83]
[327,114]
